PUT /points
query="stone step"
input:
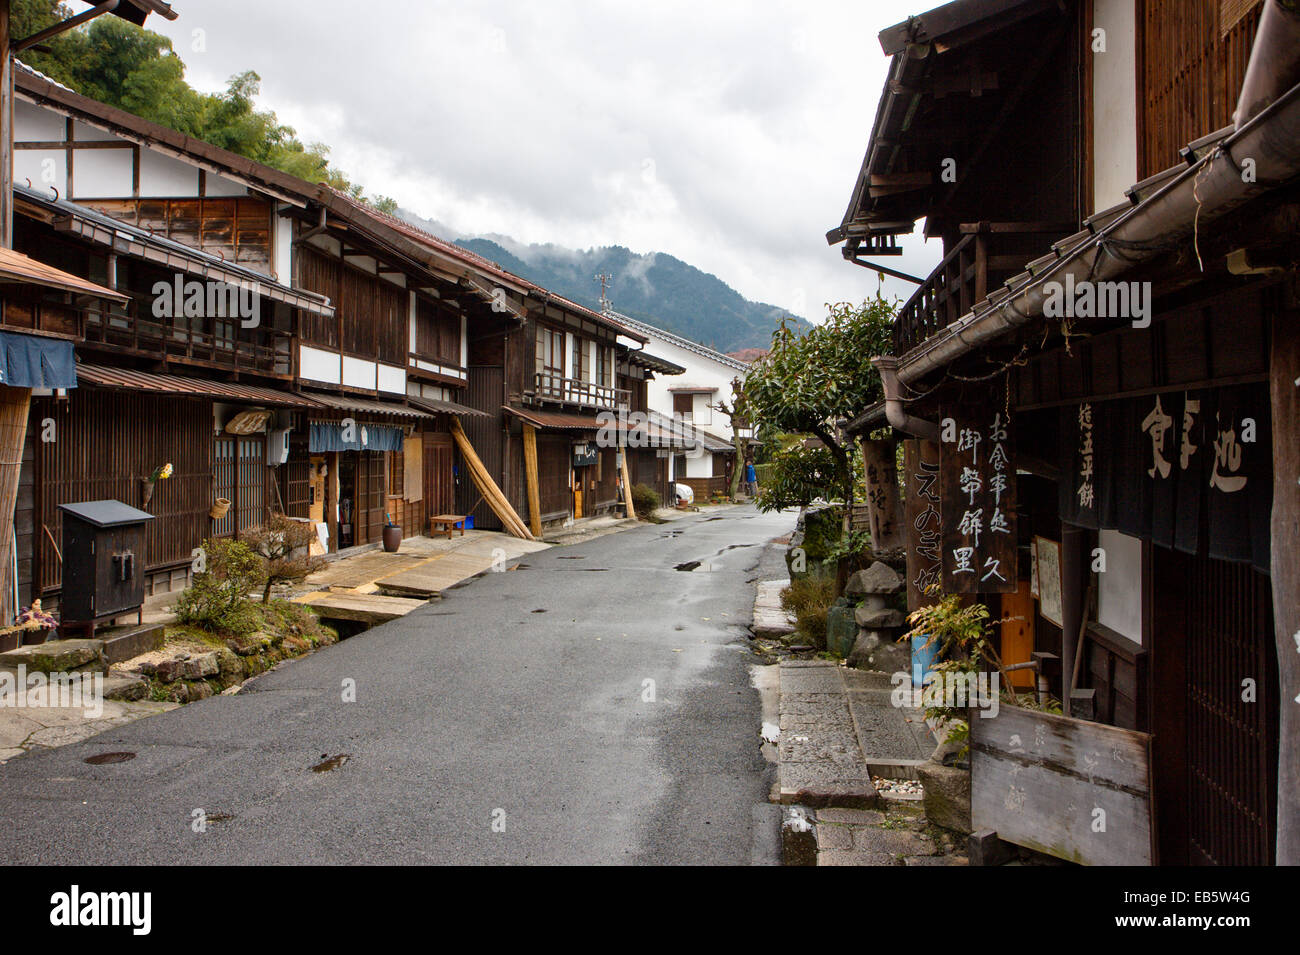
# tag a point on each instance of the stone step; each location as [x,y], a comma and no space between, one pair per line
[57,656]
[370,609]
[125,686]
[127,642]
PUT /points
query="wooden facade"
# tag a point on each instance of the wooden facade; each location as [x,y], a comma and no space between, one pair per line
[1144,554]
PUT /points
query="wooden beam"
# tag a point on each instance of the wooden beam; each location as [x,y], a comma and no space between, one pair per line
[487,486]
[1285,531]
[627,482]
[530,473]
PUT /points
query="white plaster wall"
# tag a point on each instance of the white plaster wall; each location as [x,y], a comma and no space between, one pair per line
[701,371]
[43,167]
[392,379]
[103,174]
[160,176]
[1114,92]
[318,365]
[359,373]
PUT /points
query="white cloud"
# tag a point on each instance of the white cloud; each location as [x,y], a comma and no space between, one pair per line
[727,133]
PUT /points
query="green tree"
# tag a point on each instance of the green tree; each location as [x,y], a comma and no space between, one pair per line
[804,386]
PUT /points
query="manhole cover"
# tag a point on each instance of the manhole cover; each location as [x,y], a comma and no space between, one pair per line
[101,758]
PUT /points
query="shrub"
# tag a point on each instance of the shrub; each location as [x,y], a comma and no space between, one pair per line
[284,546]
[809,599]
[645,499]
[218,599]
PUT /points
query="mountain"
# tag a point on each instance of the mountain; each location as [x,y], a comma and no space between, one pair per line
[655,288]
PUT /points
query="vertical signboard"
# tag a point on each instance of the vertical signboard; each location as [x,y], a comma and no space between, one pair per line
[978,488]
[922,521]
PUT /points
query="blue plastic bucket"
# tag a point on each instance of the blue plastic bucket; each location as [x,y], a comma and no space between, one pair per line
[923,658]
[469,523]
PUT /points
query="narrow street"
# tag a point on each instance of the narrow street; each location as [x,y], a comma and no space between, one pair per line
[518,699]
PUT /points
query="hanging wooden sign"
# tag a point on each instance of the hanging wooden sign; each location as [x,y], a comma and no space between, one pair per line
[978,488]
[922,522]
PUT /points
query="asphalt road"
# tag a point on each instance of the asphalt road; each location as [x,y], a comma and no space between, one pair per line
[518,699]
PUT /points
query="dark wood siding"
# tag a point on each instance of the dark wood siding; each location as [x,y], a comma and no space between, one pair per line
[1191,70]
[236,228]
[105,443]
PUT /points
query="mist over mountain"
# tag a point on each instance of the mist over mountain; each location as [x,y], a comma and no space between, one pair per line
[655,288]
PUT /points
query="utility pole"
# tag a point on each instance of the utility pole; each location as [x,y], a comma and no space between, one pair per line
[605,279]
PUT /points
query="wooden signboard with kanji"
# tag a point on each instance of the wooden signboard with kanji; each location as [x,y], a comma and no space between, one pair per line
[884,507]
[922,521]
[978,489]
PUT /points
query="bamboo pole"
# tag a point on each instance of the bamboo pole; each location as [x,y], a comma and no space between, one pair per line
[14,404]
[487,486]
[530,472]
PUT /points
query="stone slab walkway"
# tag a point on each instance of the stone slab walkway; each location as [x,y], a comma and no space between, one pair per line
[23,729]
[771,620]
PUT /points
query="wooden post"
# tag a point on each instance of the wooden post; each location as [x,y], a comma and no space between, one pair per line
[1285,378]
[627,482]
[14,403]
[1074,576]
[884,503]
[6,131]
[530,473]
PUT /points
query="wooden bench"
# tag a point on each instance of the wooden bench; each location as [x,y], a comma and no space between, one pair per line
[445,524]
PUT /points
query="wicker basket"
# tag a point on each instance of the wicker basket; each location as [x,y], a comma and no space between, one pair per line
[219,509]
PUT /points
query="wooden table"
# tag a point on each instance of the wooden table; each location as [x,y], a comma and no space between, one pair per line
[445,524]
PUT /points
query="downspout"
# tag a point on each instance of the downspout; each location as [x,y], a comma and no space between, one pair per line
[1268,127]
[895,411]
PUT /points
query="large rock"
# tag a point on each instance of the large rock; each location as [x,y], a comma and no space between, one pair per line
[57,656]
[879,578]
[869,618]
[202,666]
[870,652]
[947,795]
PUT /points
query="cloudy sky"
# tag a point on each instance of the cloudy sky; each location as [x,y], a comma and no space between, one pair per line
[725,132]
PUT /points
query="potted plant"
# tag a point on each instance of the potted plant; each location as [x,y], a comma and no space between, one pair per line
[392,535]
[33,625]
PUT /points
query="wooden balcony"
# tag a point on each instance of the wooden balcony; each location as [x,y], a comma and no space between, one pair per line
[210,343]
[585,394]
[987,254]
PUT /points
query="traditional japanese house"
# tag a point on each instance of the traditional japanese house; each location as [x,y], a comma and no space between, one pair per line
[37,353]
[326,397]
[710,379]
[543,372]
[1097,393]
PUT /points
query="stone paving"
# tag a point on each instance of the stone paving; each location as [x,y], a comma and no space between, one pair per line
[23,729]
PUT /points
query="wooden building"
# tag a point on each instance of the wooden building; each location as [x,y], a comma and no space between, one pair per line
[1096,390]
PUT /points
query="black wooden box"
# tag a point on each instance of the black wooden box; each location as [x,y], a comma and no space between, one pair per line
[103,563]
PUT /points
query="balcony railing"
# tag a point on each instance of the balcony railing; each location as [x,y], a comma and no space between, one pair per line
[987,254]
[214,343]
[587,394]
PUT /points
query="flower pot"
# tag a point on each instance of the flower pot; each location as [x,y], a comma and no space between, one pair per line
[219,509]
[146,492]
[392,538]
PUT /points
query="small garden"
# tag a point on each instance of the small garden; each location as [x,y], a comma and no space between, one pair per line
[229,625]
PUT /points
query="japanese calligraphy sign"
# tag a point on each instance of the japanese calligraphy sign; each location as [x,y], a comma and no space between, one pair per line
[884,509]
[1188,470]
[978,488]
[922,521]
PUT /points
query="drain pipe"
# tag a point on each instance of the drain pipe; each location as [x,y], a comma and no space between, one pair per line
[895,412]
[1268,128]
